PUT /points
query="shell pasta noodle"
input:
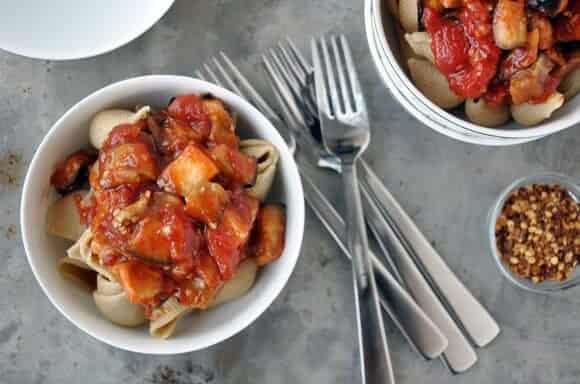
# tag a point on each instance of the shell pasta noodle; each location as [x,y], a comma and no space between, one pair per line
[168,212]
[502,59]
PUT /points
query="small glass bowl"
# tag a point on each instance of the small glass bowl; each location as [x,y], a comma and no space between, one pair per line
[544,287]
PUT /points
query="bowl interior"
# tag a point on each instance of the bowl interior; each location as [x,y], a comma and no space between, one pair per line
[200,329]
[565,117]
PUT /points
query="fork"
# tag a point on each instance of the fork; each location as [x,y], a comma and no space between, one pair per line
[428,278]
[421,333]
[346,134]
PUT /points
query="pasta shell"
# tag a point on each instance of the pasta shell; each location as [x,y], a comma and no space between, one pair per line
[420,43]
[267,156]
[532,114]
[108,287]
[409,15]
[570,85]
[63,218]
[119,310]
[484,114]
[165,317]
[104,122]
[239,285]
[77,272]
[433,84]
[81,250]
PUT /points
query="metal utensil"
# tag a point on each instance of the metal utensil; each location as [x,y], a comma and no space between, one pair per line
[459,355]
[476,320]
[346,134]
[416,327]
[429,341]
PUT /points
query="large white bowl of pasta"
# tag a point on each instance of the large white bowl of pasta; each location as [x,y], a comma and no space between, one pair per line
[462,70]
[162,214]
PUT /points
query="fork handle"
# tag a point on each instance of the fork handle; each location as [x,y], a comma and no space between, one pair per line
[476,320]
[376,366]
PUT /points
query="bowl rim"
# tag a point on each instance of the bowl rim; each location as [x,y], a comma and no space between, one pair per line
[375,11]
[401,94]
[296,233]
[95,51]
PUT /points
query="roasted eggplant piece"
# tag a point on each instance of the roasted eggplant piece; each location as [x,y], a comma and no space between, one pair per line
[548,7]
[73,172]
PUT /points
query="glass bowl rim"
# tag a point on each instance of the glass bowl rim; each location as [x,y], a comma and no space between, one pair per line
[552,178]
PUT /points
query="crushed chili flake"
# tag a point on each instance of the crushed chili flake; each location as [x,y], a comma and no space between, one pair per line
[537,233]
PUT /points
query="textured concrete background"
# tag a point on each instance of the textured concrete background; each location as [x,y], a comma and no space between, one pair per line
[307,336]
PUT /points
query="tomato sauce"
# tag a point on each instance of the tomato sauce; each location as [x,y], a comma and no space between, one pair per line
[463,48]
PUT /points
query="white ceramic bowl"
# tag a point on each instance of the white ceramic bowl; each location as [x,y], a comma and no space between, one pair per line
[71,29]
[199,330]
[383,44]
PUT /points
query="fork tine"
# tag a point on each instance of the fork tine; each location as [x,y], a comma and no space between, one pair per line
[284,73]
[290,62]
[286,113]
[343,86]
[249,92]
[293,115]
[304,66]
[357,95]
[232,85]
[319,79]
[330,77]
[295,63]
[214,79]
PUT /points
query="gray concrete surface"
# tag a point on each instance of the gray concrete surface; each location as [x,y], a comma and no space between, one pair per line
[307,336]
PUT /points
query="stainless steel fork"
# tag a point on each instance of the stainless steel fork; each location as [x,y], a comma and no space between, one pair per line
[346,134]
[425,273]
[419,331]
[422,334]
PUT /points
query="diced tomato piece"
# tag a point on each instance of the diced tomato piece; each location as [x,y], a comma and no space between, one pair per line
[190,168]
[235,165]
[166,235]
[127,164]
[173,136]
[150,241]
[123,134]
[222,124]
[190,108]
[141,282]
[200,291]
[72,172]
[206,202]
[269,234]
[224,250]
[233,232]
[238,218]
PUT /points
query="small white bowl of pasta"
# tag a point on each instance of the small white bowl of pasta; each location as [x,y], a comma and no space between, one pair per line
[402,53]
[63,253]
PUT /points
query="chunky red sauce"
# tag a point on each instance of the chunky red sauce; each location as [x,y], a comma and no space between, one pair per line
[497,94]
[167,209]
[463,48]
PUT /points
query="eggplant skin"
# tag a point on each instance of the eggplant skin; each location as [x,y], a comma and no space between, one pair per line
[548,7]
